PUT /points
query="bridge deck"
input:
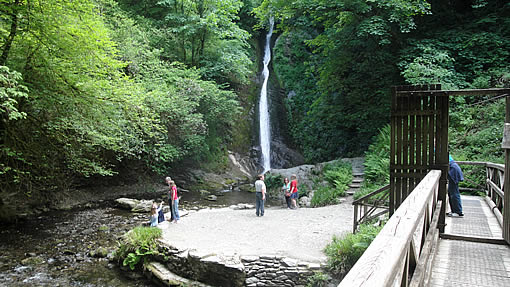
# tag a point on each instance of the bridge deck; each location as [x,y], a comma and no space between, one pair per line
[462,263]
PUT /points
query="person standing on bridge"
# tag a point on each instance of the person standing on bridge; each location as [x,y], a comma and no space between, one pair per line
[293,191]
[260,193]
[454,177]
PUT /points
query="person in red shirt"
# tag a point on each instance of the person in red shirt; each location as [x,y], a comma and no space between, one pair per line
[175,201]
[293,191]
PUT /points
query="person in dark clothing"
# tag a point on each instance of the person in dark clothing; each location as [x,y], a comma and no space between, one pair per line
[454,177]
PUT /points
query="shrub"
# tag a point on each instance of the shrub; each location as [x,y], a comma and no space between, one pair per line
[377,158]
[137,244]
[325,195]
[273,183]
[343,252]
[318,279]
[338,175]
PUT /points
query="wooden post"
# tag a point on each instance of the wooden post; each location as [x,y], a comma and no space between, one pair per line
[506,146]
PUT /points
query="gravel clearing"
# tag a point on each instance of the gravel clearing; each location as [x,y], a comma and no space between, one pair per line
[300,234]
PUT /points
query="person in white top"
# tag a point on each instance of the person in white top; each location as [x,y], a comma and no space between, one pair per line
[260,188]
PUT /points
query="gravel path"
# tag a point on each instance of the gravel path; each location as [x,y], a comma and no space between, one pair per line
[300,234]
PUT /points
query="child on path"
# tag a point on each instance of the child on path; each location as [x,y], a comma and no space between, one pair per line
[155,214]
[286,191]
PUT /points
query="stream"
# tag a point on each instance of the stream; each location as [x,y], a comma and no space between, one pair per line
[55,249]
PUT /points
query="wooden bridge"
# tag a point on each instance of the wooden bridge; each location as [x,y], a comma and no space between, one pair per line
[419,245]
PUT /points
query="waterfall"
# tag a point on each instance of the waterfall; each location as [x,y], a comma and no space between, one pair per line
[265,127]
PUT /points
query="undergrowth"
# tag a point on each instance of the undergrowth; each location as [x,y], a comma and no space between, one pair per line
[343,252]
[338,176]
[137,244]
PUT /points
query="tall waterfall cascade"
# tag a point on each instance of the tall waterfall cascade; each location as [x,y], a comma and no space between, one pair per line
[264,121]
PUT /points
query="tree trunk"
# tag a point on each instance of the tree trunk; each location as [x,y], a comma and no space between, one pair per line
[14,27]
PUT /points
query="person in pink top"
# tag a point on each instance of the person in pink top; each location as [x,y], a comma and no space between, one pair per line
[293,191]
[175,201]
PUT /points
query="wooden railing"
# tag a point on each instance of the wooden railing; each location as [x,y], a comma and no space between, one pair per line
[399,255]
[370,206]
[493,185]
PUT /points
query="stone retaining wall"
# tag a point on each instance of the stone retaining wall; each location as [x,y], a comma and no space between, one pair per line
[235,270]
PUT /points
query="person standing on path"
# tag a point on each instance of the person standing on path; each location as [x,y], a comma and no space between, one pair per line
[454,177]
[175,202]
[260,195]
[286,191]
[168,181]
[293,191]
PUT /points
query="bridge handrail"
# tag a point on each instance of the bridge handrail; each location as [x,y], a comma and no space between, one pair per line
[399,244]
[372,207]
[494,185]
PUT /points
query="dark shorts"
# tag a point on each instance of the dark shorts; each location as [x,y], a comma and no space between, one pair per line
[294,195]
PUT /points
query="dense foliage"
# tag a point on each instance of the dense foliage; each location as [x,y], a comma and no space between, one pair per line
[88,88]
[94,88]
[338,59]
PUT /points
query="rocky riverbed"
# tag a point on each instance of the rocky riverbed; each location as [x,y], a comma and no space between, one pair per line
[68,248]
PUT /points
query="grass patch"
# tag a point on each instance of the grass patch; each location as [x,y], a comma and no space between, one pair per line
[344,252]
[137,244]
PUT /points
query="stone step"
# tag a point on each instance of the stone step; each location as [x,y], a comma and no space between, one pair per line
[355,185]
[358,174]
[351,191]
[357,180]
[158,273]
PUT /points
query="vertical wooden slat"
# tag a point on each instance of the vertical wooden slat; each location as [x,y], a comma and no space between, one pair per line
[393,143]
[425,130]
[398,183]
[412,141]
[443,158]
[506,186]
[418,107]
[405,147]
[430,133]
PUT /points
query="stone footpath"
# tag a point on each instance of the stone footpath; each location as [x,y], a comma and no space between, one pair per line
[227,247]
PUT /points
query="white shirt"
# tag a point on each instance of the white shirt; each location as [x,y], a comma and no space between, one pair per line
[260,186]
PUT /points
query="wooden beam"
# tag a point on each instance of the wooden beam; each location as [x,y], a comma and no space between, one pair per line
[473,92]
[479,239]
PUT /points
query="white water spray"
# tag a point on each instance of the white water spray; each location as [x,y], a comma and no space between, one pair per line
[265,127]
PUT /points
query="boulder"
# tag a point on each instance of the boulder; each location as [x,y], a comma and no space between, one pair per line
[135,205]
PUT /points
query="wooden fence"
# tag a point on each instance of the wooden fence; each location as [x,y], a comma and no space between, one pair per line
[370,206]
[399,255]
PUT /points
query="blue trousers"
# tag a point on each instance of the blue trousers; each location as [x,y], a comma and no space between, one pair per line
[175,210]
[454,197]
[259,204]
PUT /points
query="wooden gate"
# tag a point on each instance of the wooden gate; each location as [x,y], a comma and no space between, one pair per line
[419,141]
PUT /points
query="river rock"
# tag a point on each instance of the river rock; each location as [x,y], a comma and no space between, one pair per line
[32,261]
[212,197]
[135,205]
[100,252]
[305,201]
[241,206]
